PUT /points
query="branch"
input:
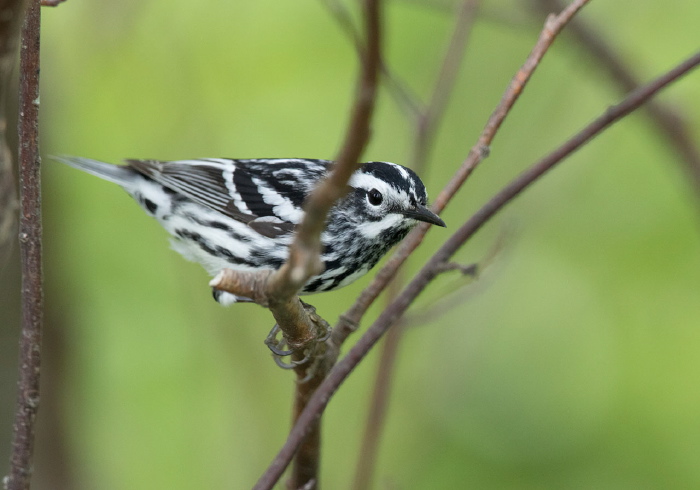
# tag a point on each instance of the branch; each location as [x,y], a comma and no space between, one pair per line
[670,123]
[349,320]
[278,290]
[301,265]
[30,252]
[10,22]
[404,98]
[427,121]
[340,372]
[458,293]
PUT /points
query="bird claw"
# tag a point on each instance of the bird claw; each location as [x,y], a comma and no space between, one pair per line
[277,346]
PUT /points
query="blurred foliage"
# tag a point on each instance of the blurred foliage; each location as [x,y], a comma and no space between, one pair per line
[572,363]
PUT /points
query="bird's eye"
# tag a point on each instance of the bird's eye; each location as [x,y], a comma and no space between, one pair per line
[375,197]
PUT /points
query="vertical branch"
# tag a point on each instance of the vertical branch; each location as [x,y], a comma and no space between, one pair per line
[10,16]
[379,403]
[278,290]
[307,460]
[310,375]
[30,252]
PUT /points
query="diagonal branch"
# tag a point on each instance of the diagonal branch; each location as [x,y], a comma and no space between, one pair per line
[341,371]
[555,23]
[669,121]
[427,122]
[278,290]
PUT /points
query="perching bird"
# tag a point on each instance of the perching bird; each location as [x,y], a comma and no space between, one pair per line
[241,214]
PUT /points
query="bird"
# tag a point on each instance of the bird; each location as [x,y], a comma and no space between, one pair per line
[241,214]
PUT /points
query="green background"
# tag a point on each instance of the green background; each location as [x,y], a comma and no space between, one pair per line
[572,363]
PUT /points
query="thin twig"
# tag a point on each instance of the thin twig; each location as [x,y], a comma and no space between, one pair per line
[456,296]
[306,464]
[427,121]
[349,320]
[378,406]
[278,290]
[404,98]
[345,366]
[30,252]
[668,120]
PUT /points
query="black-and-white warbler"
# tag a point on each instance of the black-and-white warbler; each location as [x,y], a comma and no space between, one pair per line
[241,214]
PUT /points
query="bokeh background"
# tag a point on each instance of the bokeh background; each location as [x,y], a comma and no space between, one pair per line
[571,363]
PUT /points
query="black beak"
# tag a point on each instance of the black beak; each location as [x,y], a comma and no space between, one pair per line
[421,213]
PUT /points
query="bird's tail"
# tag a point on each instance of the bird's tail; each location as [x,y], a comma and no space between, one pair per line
[123,175]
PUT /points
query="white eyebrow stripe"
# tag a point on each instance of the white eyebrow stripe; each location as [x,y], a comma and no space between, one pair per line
[366,181]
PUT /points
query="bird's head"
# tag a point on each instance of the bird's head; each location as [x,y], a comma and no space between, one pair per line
[388,196]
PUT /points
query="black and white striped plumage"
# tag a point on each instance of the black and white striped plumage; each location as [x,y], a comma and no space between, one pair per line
[241,214]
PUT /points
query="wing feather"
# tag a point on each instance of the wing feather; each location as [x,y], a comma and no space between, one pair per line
[200,180]
[245,190]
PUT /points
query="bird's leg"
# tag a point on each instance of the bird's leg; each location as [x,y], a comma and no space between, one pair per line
[323,328]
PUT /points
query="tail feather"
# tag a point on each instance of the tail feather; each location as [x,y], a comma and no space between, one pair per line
[122,175]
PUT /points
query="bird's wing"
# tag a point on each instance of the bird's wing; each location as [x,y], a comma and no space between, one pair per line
[256,192]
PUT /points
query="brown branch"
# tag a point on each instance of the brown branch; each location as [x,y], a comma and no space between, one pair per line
[669,122]
[342,369]
[427,121]
[349,320]
[455,296]
[278,290]
[378,407]
[10,22]
[307,460]
[356,138]
[305,471]
[30,252]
